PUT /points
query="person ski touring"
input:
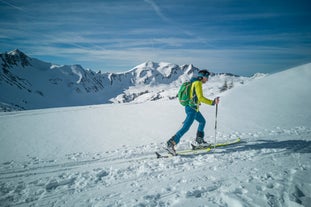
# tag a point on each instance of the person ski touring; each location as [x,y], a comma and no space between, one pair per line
[192,112]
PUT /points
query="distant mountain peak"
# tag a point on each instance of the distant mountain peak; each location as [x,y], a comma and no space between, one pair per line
[15,57]
[40,84]
[16,52]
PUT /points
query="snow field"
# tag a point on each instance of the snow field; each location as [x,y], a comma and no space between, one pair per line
[261,172]
[104,155]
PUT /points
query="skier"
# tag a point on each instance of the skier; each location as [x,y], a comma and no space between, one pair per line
[193,113]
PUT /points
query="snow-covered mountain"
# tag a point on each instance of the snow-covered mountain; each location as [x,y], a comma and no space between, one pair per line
[29,83]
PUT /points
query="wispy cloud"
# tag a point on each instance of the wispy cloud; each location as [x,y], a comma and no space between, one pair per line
[227,35]
[12,5]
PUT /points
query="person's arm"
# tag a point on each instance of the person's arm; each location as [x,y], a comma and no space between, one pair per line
[199,93]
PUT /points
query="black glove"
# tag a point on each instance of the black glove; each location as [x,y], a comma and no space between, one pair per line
[216,101]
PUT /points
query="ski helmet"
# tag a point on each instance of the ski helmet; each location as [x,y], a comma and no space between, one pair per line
[204,73]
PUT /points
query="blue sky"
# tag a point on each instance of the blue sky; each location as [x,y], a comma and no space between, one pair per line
[238,36]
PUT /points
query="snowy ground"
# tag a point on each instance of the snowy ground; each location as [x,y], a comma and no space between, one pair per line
[104,155]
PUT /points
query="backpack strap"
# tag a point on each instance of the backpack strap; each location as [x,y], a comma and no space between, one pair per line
[193,101]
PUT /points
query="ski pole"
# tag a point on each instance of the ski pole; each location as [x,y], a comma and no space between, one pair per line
[216,125]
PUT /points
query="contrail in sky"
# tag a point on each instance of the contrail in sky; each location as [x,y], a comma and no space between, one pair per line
[11,5]
[157,9]
[159,12]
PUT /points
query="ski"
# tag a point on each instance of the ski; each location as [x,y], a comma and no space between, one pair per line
[163,156]
[198,149]
[195,147]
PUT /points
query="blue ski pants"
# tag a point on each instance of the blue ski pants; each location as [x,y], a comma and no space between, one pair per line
[192,115]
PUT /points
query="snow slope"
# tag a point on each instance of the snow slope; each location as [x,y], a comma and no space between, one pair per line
[103,155]
[281,99]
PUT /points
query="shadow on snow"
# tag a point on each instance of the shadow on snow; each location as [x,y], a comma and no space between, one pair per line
[293,146]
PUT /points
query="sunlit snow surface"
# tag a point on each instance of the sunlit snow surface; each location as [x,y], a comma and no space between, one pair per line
[103,155]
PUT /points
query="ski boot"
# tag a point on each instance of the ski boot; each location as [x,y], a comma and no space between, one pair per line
[201,143]
[170,146]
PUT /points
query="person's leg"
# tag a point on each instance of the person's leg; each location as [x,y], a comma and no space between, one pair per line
[199,117]
[191,114]
[200,133]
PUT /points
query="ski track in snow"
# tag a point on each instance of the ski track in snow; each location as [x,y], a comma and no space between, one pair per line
[274,166]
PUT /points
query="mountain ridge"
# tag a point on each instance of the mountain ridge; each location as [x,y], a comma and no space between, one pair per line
[29,83]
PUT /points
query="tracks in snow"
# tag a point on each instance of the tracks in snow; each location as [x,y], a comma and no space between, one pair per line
[270,169]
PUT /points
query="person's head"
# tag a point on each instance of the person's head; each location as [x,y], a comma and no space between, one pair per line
[203,75]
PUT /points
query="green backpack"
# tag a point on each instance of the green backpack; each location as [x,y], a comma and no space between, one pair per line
[184,93]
